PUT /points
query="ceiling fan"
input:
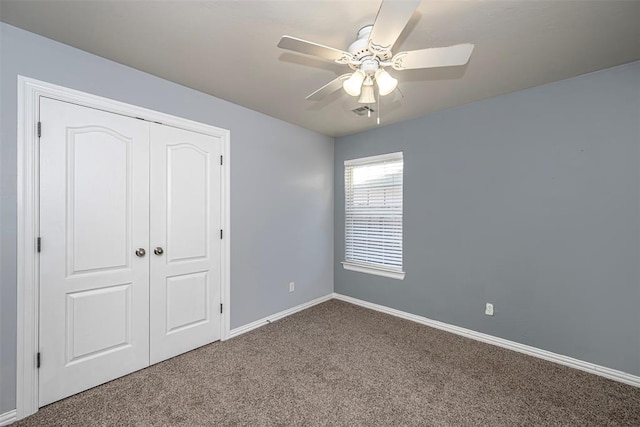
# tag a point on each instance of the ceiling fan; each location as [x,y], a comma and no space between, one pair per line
[371,53]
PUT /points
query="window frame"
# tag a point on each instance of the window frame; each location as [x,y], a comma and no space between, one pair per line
[371,268]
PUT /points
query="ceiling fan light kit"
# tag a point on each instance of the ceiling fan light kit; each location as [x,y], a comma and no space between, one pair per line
[386,83]
[367,96]
[353,84]
[371,53]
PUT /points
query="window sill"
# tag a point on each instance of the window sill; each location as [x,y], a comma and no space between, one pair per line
[393,274]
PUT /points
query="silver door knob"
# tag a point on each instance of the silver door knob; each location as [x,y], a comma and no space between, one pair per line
[158,251]
[141,252]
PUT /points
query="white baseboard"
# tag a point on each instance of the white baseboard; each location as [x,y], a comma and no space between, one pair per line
[613,374]
[266,320]
[7,418]
[602,371]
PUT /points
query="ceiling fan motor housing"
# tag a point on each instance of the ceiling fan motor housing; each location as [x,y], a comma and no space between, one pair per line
[360,48]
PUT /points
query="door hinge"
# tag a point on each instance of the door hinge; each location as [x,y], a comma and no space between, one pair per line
[39,129]
[221,160]
[38,360]
[220,233]
[39,244]
[220,308]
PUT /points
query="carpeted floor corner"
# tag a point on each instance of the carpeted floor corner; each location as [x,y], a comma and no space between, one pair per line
[337,364]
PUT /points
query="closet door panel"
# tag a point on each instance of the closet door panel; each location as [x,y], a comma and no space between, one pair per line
[94,214]
[185,226]
[188,206]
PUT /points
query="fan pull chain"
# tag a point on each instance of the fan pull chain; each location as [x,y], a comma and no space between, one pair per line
[379,106]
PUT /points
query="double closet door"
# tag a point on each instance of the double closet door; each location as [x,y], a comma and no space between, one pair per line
[130,261]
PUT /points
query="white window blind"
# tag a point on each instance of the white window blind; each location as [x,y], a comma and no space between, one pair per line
[373,212]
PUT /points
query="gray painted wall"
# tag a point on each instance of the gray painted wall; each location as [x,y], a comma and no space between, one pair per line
[530,201]
[281,184]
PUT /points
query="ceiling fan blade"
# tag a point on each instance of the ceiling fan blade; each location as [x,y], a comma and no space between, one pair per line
[433,57]
[392,17]
[311,48]
[329,88]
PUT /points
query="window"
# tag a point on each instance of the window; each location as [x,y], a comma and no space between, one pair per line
[373,215]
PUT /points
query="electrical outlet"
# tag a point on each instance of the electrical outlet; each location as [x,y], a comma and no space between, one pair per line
[292,286]
[489,309]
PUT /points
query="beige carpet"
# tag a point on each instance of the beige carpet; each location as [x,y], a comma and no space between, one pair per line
[341,365]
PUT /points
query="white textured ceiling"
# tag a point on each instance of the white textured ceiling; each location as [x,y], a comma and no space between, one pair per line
[228,48]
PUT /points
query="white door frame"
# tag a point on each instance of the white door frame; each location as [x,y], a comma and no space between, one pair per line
[29,93]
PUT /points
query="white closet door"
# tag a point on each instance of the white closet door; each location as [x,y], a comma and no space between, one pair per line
[185,241]
[94,215]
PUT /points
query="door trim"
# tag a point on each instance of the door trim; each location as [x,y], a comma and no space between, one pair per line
[29,93]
